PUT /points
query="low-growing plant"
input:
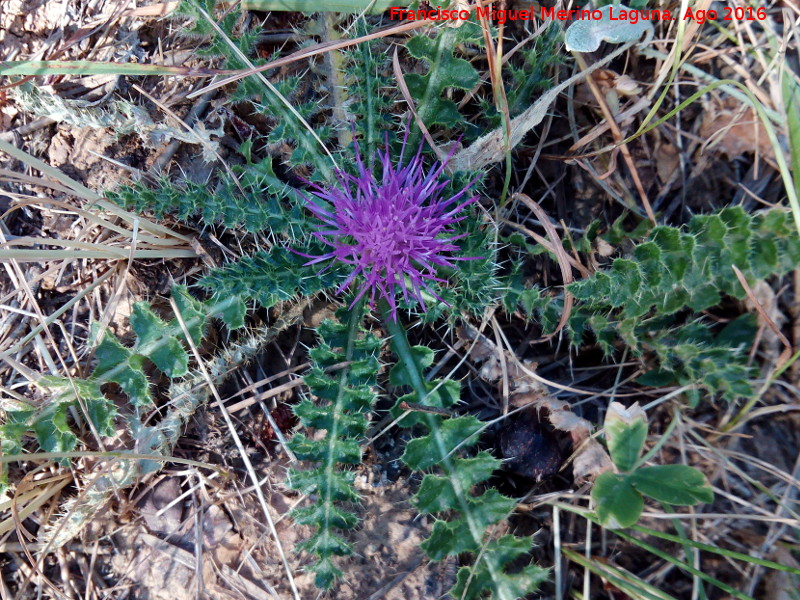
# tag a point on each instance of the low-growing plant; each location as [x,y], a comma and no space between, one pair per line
[647,301]
[618,496]
[73,401]
[392,232]
[345,399]
[652,300]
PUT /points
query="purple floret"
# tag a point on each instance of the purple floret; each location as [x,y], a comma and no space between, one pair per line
[394,231]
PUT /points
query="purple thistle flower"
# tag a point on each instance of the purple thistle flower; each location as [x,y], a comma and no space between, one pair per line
[394,231]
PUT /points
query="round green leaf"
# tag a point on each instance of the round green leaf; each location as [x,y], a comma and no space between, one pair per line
[618,503]
[626,431]
[673,484]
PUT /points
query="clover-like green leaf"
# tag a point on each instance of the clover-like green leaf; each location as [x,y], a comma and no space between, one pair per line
[680,485]
[626,431]
[454,431]
[618,503]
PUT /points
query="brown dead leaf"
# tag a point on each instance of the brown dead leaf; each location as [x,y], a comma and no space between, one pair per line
[603,248]
[781,585]
[589,457]
[731,131]
[162,515]
[667,159]
[590,460]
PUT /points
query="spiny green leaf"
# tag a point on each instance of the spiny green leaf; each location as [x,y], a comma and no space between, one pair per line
[336,486]
[319,513]
[452,433]
[325,572]
[117,363]
[445,71]
[490,573]
[273,276]
[398,375]
[448,538]
[438,494]
[157,341]
[54,433]
[326,543]
[343,398]
[649,299]
[192,311]
[231,311]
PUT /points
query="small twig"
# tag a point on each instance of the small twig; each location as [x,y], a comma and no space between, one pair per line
[194,114]
[618,137]
[240,447]
[787,347]
[401,84]
[564,261]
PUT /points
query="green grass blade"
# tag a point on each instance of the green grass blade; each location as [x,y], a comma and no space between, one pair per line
[721,551]
[791,107]
[626,582]
[684,566]
[694,544]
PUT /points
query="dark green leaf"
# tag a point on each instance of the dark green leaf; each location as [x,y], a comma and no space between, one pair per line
[673,484]
[618,503]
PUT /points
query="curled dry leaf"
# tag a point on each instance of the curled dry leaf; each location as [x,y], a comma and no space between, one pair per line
[618,413]
[492,146]
[614,87]
[732,131]
[667,159]
[589,458]
[459,5]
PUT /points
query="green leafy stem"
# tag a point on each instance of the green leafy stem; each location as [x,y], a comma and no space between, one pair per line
[619,496]
[344,403]
[157,341]
[452,491]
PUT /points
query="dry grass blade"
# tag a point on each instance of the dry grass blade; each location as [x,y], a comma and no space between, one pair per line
[401,84]
[321,49]
[787,346]
[336,6]
[85,193]
[87,67]
[273,90]
[617,133]
[243,453]
[563,258]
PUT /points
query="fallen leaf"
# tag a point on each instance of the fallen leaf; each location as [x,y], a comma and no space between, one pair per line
[589,457]
[731,131]
[586,35]
[667,160]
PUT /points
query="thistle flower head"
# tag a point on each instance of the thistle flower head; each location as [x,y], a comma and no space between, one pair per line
[394,230]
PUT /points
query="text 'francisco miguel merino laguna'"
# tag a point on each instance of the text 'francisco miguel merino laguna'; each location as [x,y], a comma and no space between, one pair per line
[501,16]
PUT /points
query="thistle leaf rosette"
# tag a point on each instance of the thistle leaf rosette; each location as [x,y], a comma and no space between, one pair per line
[394,231]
